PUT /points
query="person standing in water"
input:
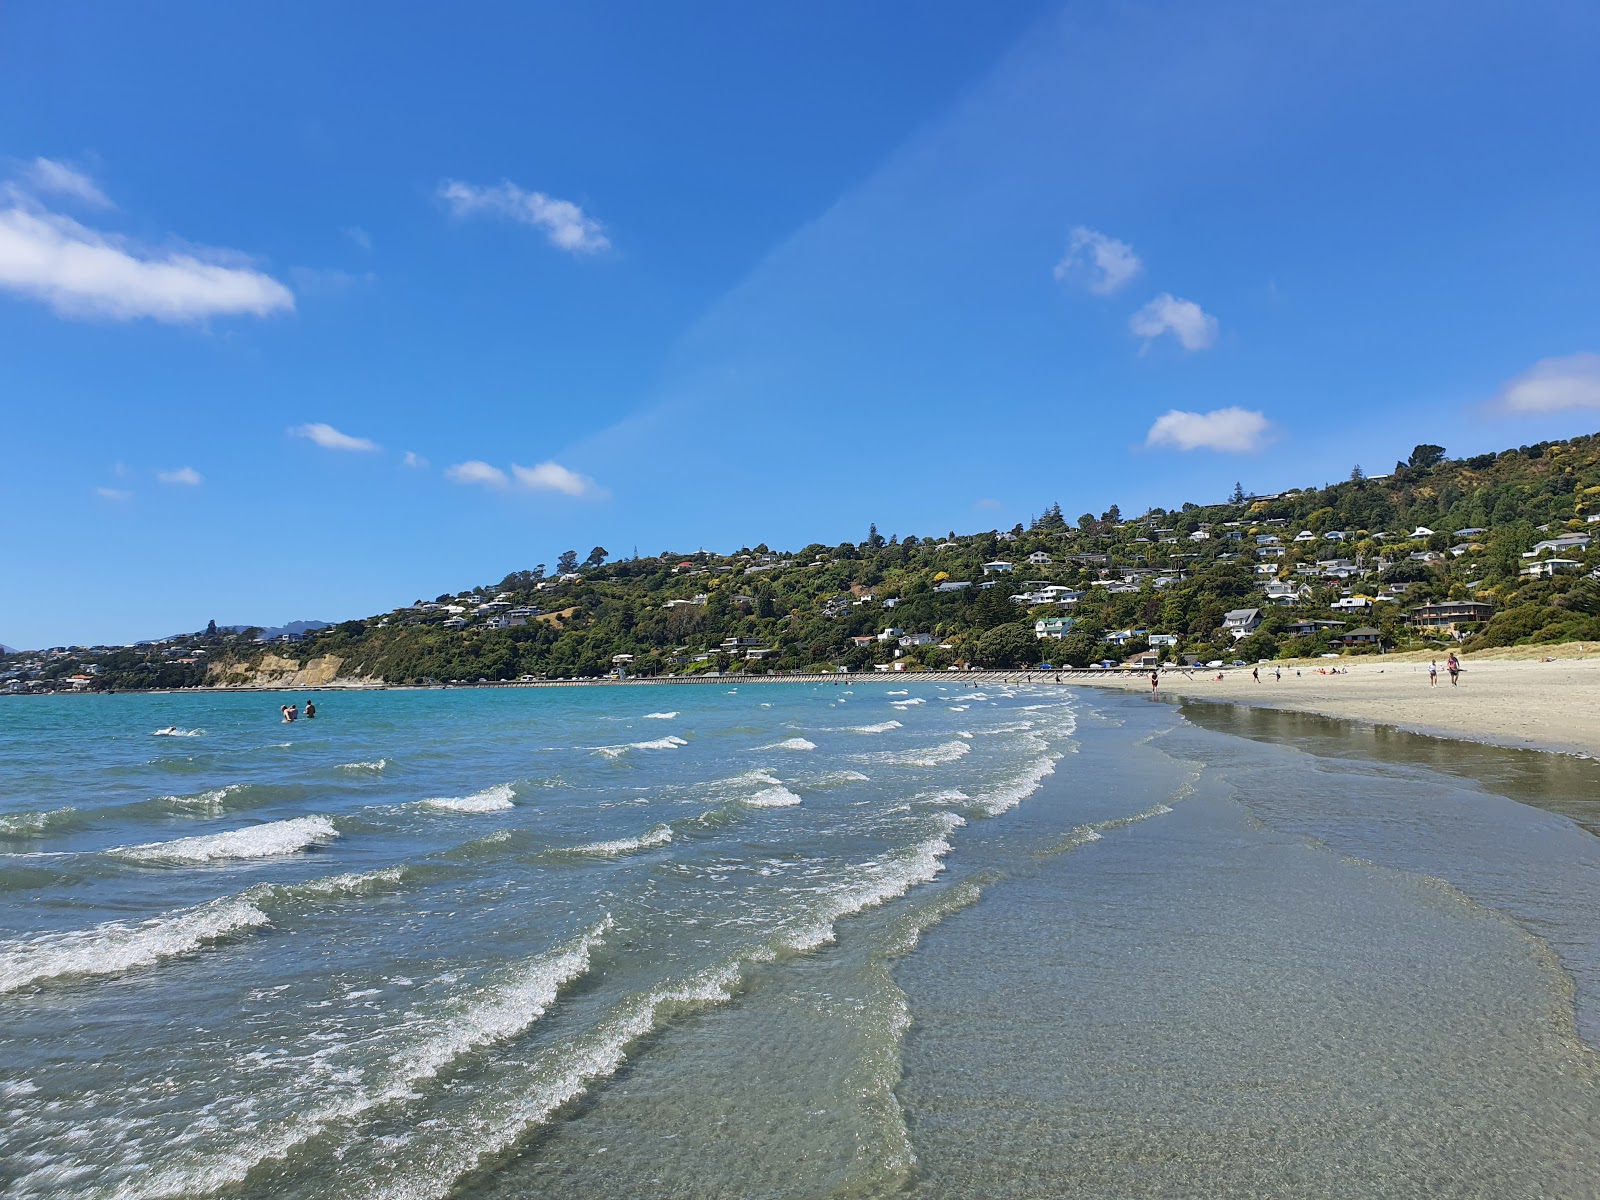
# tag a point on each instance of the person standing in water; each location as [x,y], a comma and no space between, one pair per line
[1155,681]
[287,715]
[311,711]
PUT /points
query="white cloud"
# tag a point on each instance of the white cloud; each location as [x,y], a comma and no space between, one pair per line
[1194,328]
[986,502]
[187,476]
[1553,385]
[359,236]
[1233,430]
[79,272]
[330,438]
[1102,263]
[116,494]
[549,476]
[562,221]
[57,178]
[413,459]
[474,471]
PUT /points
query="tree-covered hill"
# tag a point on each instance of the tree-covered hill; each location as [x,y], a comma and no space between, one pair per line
[1344,568]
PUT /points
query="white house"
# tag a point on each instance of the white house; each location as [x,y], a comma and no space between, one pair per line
[952,585]
[1241,622]
[1421,531]
[998,567]
[917,639]
[1547,567]
[1305,535]
[1039,558]
[1566,541]
[1360,604]
[891,634]
[1052,627]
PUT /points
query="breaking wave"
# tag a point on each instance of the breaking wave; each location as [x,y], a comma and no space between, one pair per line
[660,835]
[267,840]
[659,716]
[491,799]
[174,731]
[794,743]
[880,727]
[378,765]
[39,824]
[777,796]
[670,742]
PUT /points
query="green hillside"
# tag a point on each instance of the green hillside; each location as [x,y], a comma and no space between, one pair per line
[1350,566]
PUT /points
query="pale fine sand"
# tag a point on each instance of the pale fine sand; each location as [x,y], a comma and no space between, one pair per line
[1509,702]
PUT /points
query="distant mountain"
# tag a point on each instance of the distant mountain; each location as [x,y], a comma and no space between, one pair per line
[5,649]
[267,632]
[272,631]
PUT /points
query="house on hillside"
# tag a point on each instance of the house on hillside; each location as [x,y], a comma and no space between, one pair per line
[1039,558]
[1241,622]
[1444,613]
[1366,635]
[1052,627]
[917,639]
[952,585]
[997,567]
[1546,567]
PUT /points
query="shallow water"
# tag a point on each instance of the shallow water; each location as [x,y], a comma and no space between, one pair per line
[795,940]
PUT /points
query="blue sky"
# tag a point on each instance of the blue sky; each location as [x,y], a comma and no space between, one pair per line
[307,311]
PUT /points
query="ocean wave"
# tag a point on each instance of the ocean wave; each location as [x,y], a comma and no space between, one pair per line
[490,799]
[39,824]
[930,756]
[836,778]
[211,802]
[660,835]
[905,704]
[794,743]
[492,1013]
[670,742]
[880,727]
[114,947]
[1017,789]
[877,883]
[377,765]
[266,840]
[772,797]
[958,707]
[174,731]
[659,716]
[902,692]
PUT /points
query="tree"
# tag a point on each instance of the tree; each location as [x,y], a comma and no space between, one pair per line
[1238,496]
[1007,646]
[874,538]
[567,563]
[211,629]
[1357,474]
[596,556]
[1426,455]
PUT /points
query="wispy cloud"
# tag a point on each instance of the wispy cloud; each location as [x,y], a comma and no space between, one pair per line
[1194,328]
[553,477]
[186,476]
[116,494]
[413,459]
[330,438]
[1231,430]
[51,177]
[986,502]
[359,236]
[563,222]
[80,272]
[476,472]
[1102,264]
[1552,385]
[545,477]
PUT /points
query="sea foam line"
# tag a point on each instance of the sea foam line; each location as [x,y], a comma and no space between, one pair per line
[880,727]
[670,742]
[794,743]
[660,835]
[267,840]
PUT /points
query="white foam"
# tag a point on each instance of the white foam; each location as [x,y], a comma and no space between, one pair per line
[1014,791]
[254,841]
[113,947]
[659,836]
[794,743]
[491,799]
[205,801]
[659,716]
[959,707]
[878,883]
[491,1014]
[670,742]
[905,704]
[174,731]
[378,765]
[931,756]
[899,693]
[772,797]
[17,1087]
[880,727]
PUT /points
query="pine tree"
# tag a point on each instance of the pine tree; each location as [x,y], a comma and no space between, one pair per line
[1238,496]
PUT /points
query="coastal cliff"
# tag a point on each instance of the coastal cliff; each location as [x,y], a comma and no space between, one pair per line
[276,671]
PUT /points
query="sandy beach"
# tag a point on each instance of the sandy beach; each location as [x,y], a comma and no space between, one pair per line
[1504,701]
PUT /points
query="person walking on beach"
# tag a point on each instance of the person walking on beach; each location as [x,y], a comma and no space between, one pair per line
[1255,673]
[1433,672]
[1453,665]
[1277,674]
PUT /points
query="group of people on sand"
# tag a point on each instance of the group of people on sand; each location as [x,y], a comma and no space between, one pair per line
[292,712]
[1452,664]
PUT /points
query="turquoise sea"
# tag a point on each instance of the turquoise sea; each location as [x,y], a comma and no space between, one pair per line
[789,940]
